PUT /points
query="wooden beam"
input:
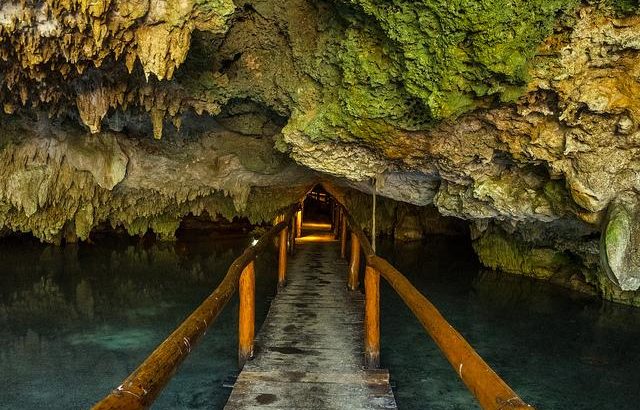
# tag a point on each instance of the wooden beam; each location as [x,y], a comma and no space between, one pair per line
[282,259]
[490,390]
[292,236]
[343,239]
[247,314]
[299,223]
[354,263]
[371,318]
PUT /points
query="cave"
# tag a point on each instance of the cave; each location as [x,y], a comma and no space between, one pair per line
[428,204]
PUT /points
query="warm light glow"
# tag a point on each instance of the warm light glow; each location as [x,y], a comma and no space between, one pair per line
[328,237]
[254,242]
[316,232]
[316,225]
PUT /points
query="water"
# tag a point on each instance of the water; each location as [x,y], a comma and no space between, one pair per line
[75,321]
[555,348]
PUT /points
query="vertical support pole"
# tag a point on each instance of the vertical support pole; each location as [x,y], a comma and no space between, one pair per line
[343,238]
[336,227]
[282,259]
[371,318]
[299,223]
[333,216]
[246,316]
[292,235]
[354,264]
[373,217]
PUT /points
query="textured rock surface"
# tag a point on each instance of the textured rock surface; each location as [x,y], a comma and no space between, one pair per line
[56,179]
[620,243]
[520,117]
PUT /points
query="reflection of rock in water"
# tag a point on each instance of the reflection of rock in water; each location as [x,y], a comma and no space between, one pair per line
[110,339]
[597,323]
[499,289]
[47,288]
[84,298]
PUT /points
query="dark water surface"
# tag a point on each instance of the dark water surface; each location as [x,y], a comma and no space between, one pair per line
[557,349]
[74,321]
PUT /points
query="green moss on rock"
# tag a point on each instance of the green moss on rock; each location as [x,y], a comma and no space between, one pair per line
[625,7]
[448,54]
[401,66]
[500,251]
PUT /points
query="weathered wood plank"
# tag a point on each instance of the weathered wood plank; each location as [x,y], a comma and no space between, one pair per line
[309,352]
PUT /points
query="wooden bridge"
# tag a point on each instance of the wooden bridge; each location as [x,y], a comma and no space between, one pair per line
[309,351]
[319,347]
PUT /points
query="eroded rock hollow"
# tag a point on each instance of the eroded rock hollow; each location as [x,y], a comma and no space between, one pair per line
[518,117]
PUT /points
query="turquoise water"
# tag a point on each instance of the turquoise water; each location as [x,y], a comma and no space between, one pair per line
[555,348]
[74,321]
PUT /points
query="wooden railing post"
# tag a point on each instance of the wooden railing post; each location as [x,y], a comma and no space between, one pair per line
[292,236]
[333,216]
[371,318]
[246,317]
[299,223]
[282,260]
[354,264]
[343,238]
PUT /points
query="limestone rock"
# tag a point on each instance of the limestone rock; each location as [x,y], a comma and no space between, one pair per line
[99,155]
[620,242]
[50,182]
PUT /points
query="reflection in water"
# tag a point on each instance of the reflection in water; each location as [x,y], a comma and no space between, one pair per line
[108,338]
[74,321]
[556,348]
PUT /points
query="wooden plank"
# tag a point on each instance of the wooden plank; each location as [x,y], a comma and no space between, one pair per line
[358,377]
[289,395]
[309,353]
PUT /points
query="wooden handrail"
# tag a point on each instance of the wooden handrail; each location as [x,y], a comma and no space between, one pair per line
[142,387]
[488,388]
[282,257]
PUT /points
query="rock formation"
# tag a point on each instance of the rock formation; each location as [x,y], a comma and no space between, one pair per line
[519,117]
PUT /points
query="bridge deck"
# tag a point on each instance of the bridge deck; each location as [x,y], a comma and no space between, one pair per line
[309,352]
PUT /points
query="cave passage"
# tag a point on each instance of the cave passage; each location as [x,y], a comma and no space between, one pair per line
[487,151]
[317,223]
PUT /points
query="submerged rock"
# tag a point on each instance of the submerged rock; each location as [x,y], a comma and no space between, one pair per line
[620,242]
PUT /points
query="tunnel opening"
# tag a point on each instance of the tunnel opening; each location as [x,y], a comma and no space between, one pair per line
[318,205]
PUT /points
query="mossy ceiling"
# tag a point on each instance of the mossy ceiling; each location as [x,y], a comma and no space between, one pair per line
[348,70]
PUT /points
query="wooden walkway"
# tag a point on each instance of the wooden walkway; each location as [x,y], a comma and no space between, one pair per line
[309,352]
